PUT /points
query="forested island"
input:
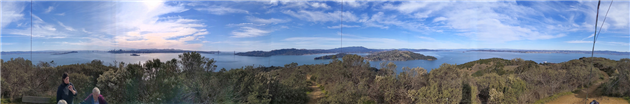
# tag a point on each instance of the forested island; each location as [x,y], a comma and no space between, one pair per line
[192,78]
[293,51]
[338,55]
[159,51]
[63,53]
[397,55]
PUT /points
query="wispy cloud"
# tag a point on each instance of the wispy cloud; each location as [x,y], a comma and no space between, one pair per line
[243,24]
[145,26]
[2,44]
[61,14]
[579,41]
[320,5]
[345,26]
[64,26]
[11,12]
[83,29]
[50,8]
[619,43]
[426,38]
[267,21]
[245,32]
[320,16]
[40,29]
[219,10]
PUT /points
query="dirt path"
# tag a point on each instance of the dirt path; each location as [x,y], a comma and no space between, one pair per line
[316,94]
[579,98]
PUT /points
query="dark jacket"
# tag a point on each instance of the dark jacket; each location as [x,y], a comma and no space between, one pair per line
[64,93]
[90,100]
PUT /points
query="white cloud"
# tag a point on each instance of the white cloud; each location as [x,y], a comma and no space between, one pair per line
[11,12]
[142,25]
[598,42]
[245,32]
[320,16]
[345,26]
[267,21]
[61,14]
[39,29]
[320,5]
[219,10]
[426,38]
[495,26]
[243,24]
[83,29]
[352,3]
[619,43]
[590,36]
[378,43]
[3,44]
[67,27]
[579,41]
[50,8]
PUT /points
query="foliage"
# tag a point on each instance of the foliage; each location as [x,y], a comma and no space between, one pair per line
[193,78]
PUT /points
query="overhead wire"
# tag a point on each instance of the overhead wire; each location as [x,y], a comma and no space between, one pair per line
[593,49]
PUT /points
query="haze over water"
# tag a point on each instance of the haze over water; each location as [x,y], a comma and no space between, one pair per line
[230,61]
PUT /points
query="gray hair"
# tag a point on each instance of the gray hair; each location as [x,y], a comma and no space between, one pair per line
[95,90]
[62,102]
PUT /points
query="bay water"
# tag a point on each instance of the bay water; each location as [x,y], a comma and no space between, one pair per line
[230,61]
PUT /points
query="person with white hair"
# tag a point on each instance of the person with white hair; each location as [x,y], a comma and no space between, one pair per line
[95,97]
[62,102]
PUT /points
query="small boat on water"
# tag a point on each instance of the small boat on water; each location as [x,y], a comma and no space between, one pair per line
[133,54]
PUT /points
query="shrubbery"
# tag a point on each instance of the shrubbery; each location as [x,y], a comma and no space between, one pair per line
[194,79]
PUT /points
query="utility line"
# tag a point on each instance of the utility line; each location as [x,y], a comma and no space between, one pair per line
[593,49]
[595,36]
[603,22]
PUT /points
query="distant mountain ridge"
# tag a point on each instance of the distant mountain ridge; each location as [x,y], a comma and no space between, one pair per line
[293,51]
[159,51]
[554,51]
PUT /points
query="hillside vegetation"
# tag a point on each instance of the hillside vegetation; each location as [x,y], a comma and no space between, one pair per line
[194,79]
[396,55]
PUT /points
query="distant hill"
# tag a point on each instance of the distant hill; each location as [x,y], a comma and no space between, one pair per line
[555,51]
[159,51]
[397,55]
[293,51]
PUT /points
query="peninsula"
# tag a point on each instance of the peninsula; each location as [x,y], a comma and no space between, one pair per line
[397,55]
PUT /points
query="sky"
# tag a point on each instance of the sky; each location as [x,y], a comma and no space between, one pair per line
[269,25]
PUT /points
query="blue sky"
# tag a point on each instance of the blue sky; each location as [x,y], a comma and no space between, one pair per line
[268,25]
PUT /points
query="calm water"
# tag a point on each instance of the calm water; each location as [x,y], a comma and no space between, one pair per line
[229,61]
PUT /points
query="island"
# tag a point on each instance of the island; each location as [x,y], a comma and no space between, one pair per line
[293,51]
[159,51]
[397,55]
[339,55]
[63,53]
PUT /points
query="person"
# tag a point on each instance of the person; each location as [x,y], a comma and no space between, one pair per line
[594,102]
[95,97]
[62,102]
[66,90]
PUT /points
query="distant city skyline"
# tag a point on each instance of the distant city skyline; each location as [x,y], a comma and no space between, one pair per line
[269,25]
